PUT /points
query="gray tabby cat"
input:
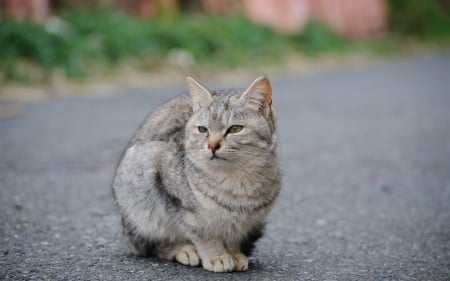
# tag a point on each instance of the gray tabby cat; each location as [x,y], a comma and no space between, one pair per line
[200,176]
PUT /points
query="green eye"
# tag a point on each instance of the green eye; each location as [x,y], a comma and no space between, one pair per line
[202,129]
[235,129]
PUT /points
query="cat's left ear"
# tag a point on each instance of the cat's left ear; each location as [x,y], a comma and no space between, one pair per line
[260,91]
[201,97]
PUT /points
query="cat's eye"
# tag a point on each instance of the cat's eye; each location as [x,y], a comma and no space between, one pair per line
[235,129]
[202,129]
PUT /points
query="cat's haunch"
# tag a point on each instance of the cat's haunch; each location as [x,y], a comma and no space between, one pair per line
[200,176]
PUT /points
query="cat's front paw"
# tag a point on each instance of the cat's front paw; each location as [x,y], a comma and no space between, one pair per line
[240,262]
[223,263]
[187,255]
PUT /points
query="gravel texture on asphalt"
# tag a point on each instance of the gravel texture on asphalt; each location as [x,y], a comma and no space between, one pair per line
[366,195]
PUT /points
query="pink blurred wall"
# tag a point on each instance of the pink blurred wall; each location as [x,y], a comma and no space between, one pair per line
[36,10]
[353,18]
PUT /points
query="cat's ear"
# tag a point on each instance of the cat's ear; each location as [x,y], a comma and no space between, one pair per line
[201,97]
[261,92]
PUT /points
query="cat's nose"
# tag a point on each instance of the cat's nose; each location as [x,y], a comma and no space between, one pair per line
[214,147]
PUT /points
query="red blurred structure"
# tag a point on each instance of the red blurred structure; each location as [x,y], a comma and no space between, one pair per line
[142,8]
[36,10]
[218,6]
[354,18]
[284,15]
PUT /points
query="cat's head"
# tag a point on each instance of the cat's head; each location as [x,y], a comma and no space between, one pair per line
[230,127]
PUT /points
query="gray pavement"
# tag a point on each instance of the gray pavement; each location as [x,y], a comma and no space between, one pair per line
[366,195]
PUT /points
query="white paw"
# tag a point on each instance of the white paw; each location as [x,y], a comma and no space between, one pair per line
[187,255]
[223,263]
[241,262]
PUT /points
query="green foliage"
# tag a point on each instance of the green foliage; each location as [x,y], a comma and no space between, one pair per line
[219,40]
[28,42]
[317,38]
[79,42]
[424,19]
[80,39]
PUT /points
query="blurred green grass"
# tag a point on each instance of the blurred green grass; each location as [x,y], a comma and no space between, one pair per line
[421,19]
[79,42]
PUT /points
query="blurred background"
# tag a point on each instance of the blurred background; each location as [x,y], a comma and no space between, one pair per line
[365,143]
[46,42]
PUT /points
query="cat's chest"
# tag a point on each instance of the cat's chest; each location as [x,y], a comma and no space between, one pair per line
[236,186]
[228,196]
[224,223]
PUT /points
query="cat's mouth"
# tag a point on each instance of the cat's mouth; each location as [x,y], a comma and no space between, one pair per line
[215,157]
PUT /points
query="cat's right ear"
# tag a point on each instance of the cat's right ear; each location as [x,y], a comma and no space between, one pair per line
[201,97]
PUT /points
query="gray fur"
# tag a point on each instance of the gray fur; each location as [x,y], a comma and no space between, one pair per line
[201,197]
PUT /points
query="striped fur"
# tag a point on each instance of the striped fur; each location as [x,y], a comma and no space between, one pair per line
[201,195]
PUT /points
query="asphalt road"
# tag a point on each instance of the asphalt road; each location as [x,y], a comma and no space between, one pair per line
[366,195]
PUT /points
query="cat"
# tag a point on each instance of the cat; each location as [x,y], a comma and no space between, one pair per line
[200,176]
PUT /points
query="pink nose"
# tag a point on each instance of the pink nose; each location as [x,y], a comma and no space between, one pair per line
[214,147]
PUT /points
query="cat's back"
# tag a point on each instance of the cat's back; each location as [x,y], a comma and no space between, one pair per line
[166,123]
[151,164]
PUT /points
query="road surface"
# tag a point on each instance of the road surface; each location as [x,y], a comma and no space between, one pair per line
[366,195]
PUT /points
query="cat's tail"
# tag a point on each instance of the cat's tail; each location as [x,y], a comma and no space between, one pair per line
[248,243]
